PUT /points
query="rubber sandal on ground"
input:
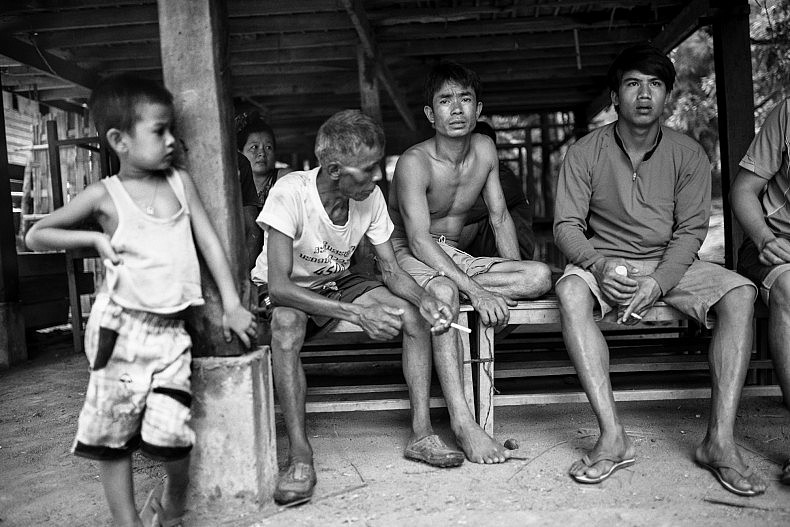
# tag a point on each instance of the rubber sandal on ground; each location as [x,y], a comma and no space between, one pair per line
[785,477]
[157,521]
[617,464]
[152,502]
[716,469]
[433,451]
[296,483]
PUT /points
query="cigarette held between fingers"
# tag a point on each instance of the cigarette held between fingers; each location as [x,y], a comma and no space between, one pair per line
[638,317]
[459,327]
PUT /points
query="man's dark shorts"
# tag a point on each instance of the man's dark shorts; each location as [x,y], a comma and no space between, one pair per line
[345,289]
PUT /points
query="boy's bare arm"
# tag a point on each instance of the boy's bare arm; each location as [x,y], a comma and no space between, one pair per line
[56,231]
[379,322]
[236,317]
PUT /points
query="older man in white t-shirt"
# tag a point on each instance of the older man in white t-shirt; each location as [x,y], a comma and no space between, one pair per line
[313,222]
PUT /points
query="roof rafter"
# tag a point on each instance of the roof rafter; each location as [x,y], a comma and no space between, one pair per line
[360,21]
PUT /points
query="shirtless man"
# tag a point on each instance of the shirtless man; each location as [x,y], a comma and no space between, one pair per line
[436,183]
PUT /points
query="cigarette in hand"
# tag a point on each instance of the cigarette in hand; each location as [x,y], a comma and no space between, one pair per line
[459,327]
[638,317]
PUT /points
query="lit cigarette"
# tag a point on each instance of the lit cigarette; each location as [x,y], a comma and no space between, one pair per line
[459,327]
[638,317]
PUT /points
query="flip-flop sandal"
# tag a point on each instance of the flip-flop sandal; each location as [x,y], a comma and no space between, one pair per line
[785,477]
[433,451]
[716,468]
[617,464]
[152,502]
[159,513]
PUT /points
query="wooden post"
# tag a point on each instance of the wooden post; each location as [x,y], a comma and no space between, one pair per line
[735,99]
[12,327]
[234,457]
[195,69]
[368,85]
[545,169]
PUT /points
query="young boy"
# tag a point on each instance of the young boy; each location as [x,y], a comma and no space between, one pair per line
[139,390]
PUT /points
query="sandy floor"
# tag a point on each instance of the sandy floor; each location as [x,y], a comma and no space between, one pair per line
[363,479]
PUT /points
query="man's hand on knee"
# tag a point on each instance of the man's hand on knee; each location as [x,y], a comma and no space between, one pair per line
[381,322]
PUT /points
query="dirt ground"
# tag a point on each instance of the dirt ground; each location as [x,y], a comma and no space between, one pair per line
[364,480]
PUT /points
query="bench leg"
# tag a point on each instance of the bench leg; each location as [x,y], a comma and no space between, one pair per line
[484,377]
[469,393]
[74,302]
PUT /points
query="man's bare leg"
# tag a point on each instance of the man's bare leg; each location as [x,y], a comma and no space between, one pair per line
[779,333]
[417,360]
[478,446]
[288,331]
[729,359]
[517,279]
[590,355]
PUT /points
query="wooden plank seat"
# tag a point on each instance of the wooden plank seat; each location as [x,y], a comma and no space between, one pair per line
[543,314]
[347,371]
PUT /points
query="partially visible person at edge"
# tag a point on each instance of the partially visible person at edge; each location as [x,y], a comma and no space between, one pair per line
[478,238]
[257,171]
[313,222]
[759,202]
[436,183]
[153,224]
[632,209]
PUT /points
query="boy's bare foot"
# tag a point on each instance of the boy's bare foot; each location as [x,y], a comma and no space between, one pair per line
[726,463]
[608,454]
[478,446]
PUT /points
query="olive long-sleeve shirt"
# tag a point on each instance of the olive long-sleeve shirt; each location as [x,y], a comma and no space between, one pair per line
[658,210]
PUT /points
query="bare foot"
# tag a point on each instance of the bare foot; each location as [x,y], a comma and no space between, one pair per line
[605,454]
[726,463]
[478,446]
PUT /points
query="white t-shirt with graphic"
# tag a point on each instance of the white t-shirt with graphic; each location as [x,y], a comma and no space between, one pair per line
[322,250]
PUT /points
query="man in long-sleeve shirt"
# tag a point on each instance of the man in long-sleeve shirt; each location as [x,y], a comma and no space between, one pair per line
[631,213]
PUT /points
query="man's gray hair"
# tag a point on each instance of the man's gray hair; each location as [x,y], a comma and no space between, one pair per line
[342,136]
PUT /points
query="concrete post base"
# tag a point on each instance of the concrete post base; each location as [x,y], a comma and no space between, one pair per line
[13,348]
[234,461]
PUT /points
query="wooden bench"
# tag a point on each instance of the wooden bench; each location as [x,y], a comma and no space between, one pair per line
[349,348]
[544,312]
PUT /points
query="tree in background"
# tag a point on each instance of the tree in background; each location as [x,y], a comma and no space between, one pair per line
[692,107]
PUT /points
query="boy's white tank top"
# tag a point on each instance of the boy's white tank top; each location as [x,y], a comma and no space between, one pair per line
[159,270]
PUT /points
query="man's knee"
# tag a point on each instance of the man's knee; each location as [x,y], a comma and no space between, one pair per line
[574,297]
[288,328]
[537,278]
[780,292]
[737,302]
[444,289]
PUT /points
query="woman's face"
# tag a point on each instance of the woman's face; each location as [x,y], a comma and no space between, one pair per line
[259,149]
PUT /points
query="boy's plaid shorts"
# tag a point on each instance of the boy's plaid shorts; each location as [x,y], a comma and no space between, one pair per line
[139,390]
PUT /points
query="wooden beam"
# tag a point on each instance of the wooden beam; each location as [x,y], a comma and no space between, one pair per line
[508,26]
[356,13]
[683,25]
[195,71]
[735,101]
[9,269]
[46,62]
[529,42]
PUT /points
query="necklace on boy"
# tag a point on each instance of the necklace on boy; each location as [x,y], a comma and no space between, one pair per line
[150,208]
